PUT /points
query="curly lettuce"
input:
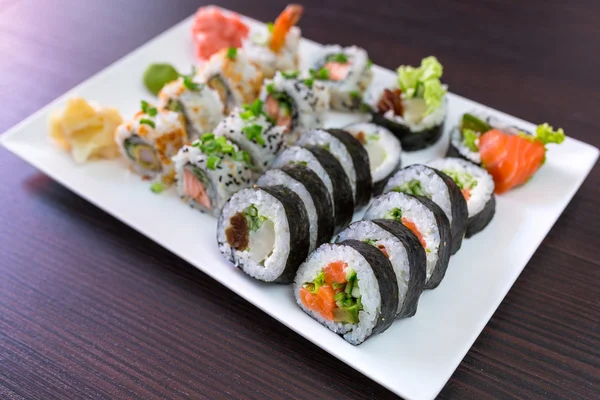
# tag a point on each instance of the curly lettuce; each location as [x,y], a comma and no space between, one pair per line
[423,82]
[546,134]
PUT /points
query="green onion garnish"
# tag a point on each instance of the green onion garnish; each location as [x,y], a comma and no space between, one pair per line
[148,122]
[212,162]
[231,53]
[253,132]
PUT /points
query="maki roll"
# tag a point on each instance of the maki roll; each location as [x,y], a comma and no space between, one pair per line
[295,104]
[274,47]
[476,185]
[265,232]
[352,156]
[253,132]
[349,287]
[321,162]
[414,109]
[383,148]
[200,106]
[347,73]
[149,141]
[421,180]
[405,252]
[233,76]
[209,171]
[426,220]
[313,192]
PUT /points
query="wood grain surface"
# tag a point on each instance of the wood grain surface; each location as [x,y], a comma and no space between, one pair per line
[91,309]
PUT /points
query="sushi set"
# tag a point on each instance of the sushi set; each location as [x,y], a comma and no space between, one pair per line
[373,212]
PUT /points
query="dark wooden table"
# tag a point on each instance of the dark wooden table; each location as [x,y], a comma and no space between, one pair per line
[91,309]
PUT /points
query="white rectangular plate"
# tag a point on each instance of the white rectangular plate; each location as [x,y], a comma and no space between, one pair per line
[416,356]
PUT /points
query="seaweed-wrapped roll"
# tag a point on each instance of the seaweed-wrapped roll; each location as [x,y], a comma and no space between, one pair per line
[477,186]
[383,148]
[274,47]
[329,169]
[426,220]
[405,252]
[265,232]
[414,109]
[347,73]
[313,192]
[350,288]
[294,103]
[209,171]
[200,106]
[352,156]
[149,141]
[425,181]
[233,76]
[253,132]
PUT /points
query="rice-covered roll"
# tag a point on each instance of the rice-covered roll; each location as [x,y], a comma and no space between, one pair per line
[149,140]
[210,171]
[253,132]
[313,192]
[383,148]
[329,169]
[405,252]
[200,106]
[347,73]
[294,103]
[349,287]
[421,180]
[265,232]
[426,220]
[352,156]
[476,185]
[274,47]
[233,76]
[414,108]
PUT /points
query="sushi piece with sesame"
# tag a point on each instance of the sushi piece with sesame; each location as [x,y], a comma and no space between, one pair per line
[253,131]
[200,106]
[149,141]
[210,171]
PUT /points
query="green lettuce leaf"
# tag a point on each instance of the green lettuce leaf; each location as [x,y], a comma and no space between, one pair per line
[546,134]
[424,82]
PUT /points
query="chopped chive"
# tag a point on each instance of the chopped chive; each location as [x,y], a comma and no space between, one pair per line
[309,82]
[253,132]
[270,88]
[231,53]
[212,162]
[207,136]
[355,94]
[148,109]
[339,58]
[290,75]
[189,84]
[148,122]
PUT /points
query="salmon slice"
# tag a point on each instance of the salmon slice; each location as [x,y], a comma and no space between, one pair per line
[337,71]
[335,272]
[411,225]
[326,301]
[282,118]
[511,159]
[213,30]
[309,300]
[195,190]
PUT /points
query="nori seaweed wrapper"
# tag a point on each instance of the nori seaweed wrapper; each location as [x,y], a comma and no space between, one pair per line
[386,280]
[343,202]
[320,197]
[445,243]
[411,141]
[417,262]
[479,221]
[460,212]
[360,161]
[299,230]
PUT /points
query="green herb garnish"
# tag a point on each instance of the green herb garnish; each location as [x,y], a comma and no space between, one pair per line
[254,220]
[372,242]
[394,213]
[270,88]
[309,82]
[253,110]
[212,162]
[322,74]
[290,75]
[189,84]
[157,187]
[231,53]
[470,138]
[253,132]
[338,58]
[148,109]
[148,122]
[355,94]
